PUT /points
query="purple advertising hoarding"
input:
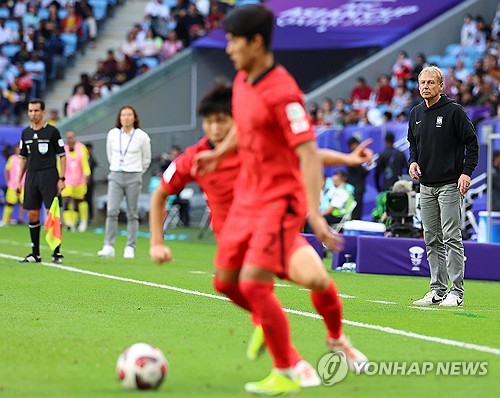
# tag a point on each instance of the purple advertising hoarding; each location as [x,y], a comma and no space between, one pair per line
[329,24]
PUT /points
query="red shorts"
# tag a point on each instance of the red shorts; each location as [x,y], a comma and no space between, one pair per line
[265,238]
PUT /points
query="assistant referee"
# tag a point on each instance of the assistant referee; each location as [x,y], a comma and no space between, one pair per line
[41,145]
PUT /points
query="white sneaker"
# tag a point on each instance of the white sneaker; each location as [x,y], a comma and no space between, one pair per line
[129,252]
[452,300]
[3,224]
[83,226]
[308,377]
[430,298]
[356,360]
[107,251]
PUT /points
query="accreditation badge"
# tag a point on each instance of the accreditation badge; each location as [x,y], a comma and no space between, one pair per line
[43,147]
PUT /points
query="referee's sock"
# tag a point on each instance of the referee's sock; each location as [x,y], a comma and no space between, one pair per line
[57,250]
[35,237]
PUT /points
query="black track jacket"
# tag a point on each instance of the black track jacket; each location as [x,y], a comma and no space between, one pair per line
[443,142]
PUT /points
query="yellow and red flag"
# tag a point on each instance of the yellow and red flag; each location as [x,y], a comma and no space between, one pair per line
[53,234]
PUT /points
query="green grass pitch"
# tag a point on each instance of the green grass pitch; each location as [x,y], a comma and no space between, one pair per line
[61,331]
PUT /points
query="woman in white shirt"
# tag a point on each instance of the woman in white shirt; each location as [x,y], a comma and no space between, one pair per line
[129,155]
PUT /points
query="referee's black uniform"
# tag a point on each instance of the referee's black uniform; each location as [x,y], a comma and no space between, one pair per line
[41,149]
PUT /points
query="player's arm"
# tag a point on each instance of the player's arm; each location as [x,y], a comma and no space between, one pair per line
[8,166]
[311,170]
[60,183]
[22,170]
[85,164]
[206,162]
[362,154]
[157,214]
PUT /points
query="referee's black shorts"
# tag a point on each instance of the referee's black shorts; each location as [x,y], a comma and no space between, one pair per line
[40,186]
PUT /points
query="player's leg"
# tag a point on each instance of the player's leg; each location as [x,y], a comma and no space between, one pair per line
[33,202]
[133,185]
[69,215]
[82,206]
[306,268]
[115,196]
[257,286]
[10,200]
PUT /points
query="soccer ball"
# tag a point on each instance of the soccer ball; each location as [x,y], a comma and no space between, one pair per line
[142,366]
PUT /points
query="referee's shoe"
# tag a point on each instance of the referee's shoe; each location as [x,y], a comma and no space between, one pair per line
[31,258]
[57,258]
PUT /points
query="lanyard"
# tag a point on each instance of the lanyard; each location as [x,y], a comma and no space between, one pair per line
[123,154]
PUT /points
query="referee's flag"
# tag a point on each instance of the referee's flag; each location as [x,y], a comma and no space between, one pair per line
[53,232]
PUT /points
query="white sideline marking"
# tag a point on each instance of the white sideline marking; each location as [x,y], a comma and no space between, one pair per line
[197,272]
[385,329]
[381,302]
[346,296]
[281,285]
[417,307]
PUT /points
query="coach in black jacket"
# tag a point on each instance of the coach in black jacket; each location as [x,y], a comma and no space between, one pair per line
[443,154]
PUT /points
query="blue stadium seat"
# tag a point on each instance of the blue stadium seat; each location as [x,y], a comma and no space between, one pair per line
[70,43]
[152,62]
[9,50]
[434,59]
[62,13]
[100,8]
[12,24]
[453,50]
[447,61]
[4,13]
[43,13]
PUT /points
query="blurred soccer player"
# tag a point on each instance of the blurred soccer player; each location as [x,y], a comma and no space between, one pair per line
[77,176]
[12,168]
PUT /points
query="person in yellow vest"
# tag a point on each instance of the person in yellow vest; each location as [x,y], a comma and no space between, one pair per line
[77,176]
[11,171]
[341,199]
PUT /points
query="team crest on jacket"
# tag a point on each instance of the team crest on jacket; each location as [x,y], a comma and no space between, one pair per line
[439,121]
[297,117]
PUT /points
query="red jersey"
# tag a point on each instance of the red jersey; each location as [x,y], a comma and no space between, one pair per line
[217,186]
[272,122]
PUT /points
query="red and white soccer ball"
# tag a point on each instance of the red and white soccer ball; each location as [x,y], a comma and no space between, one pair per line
[142,367]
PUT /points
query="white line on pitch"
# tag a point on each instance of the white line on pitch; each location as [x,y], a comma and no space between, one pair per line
[381,302]
[346,296]
[423,308]
[385,329]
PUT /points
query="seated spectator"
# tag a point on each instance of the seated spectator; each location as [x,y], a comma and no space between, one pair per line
[171,46]
[7,35]
[84,9]
[54,117]
[78,101]
[420,63]
[468,31]
[327,107]
[384,92]
[111,65]
[6,110]
[195,23]
[20,9]
[151,45]
[341,199]
[461,72]
[403,67]
[215,17]
[158,15]
[320,120]
[72,23]
[491,67]
[100,76]
[85,82]
[391,165]
[130,48]
[54,49]
[36,69]
[53,21]
[22,55]
[360,94]
[179,14]
[30,18]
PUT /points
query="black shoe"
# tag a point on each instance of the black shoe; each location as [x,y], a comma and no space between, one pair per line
[57,258]
[31,258]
